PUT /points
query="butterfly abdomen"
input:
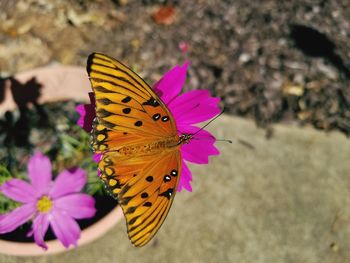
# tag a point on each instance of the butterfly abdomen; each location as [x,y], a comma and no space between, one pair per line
[151,148]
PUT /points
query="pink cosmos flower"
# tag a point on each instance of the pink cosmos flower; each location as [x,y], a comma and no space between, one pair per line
[184,47]
[47,203]
[87,113]
[188,109]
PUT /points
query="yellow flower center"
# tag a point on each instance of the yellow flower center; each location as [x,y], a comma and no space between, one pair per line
[44,204]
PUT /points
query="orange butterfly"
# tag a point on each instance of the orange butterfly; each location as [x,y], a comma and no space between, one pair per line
[137,137]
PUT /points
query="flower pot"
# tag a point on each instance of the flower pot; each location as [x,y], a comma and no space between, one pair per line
[46,84]
[35,87]
[54,246]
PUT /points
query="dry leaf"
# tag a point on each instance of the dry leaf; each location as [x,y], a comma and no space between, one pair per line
[293,89]
[165,15]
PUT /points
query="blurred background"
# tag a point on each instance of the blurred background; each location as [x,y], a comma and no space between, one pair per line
[271,62]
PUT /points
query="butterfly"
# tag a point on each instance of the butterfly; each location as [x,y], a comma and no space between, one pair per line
[136,135]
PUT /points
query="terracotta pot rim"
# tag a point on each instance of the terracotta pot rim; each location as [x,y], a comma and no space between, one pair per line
[88,235]
[54,83]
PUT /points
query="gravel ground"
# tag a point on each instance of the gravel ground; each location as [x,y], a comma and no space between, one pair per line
[272,61]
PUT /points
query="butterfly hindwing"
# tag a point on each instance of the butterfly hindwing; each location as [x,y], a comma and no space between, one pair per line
[145,188]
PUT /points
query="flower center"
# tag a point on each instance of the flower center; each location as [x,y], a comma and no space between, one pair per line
[44,204]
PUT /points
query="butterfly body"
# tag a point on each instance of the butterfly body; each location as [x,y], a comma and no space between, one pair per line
[137,137]
[151,148]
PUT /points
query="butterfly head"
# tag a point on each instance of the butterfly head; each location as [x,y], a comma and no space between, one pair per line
[185,138]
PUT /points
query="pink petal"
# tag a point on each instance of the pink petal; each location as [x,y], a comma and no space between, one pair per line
[193,107]
[81,110]
[185,178]
[68,182]
[39,172]
[15,218]
[77,205]
[96,157]
[87,113]
[19,191]
[200,147]
[65,228]
[184,46]
[170,85]
[40,226]
[30,233]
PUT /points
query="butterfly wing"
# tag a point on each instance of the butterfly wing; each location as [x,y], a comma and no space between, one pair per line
[128,112]
[127,109]
[145,188]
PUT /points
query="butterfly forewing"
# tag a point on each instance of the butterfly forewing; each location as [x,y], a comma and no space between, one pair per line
[125,103]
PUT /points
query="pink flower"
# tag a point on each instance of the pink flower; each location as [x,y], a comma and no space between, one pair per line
[183,46]
[188,109]
[56,204]
[87,113]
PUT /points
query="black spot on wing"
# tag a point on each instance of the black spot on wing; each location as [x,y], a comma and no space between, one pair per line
[149,178]
[126,99]
[168,193]
[138,123]
[151,102]
[89,63]
[126,110]
[166,178]
[156,116]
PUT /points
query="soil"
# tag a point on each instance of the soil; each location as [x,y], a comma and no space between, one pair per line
[271,61]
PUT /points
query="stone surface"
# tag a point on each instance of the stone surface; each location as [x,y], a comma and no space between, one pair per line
[286,200]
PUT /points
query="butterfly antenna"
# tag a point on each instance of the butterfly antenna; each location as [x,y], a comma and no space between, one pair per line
[218,140]
[223,140]
[213,119]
